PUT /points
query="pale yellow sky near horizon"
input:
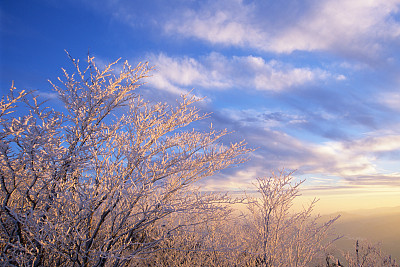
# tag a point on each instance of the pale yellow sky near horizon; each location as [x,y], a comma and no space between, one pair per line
[350,199]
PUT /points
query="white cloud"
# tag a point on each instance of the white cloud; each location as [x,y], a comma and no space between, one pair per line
[353,160]
[376,144]
[358,26]
[180,74]
[355,25]
[341,77]
[358,161]
[273,79]
[217,24]
[163,83]
[390,100]
[335,159]
[216,71]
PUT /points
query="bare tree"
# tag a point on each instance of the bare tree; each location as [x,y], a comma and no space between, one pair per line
[89,185]
[281,236]
[206,241]
[366,254]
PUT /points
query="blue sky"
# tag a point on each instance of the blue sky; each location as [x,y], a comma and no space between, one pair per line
[313,85]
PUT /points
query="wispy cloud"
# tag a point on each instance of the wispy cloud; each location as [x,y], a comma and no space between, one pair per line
[263,118]
[342,26]
[354,160]
[215,71]
[182,73]
[390,100]
[218,25]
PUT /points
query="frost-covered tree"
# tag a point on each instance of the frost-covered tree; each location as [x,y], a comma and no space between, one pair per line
[368,255]
[93,184]
[270,233]
[277,235]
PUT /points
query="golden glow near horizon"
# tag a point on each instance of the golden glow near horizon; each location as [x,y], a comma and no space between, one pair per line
[334,193]
[337,200]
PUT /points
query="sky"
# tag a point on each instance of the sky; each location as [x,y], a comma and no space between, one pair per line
[313,85]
